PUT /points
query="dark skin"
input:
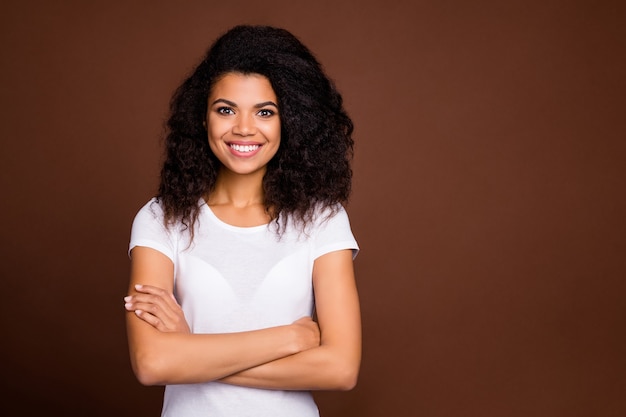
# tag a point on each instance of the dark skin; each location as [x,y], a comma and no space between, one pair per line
[306,355]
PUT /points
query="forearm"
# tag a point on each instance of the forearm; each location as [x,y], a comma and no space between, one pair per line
[175,358]
[321,368]
[162,351]
[334,365]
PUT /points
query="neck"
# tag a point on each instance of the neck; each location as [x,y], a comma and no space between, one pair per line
[237,190]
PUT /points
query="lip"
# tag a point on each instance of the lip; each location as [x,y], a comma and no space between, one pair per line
[243,153]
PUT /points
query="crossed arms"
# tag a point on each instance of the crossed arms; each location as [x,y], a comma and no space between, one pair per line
[304,355]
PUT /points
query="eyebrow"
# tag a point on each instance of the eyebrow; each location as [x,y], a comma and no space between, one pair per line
[232,104]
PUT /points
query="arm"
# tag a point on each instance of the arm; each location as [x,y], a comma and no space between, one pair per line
[160,357]
[334,365]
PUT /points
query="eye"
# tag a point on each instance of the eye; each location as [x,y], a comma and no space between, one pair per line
[266,113]
[225,110]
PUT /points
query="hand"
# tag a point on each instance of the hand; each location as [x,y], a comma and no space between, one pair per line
[158,308]
[308,333]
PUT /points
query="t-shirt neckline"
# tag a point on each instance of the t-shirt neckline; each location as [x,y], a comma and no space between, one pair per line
[220,222]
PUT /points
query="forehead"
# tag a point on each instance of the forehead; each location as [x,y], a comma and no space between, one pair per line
[248,87]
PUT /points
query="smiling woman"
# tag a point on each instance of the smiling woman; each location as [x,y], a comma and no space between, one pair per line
[247,237]
[243,123]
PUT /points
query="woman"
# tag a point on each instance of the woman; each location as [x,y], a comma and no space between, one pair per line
[247,238]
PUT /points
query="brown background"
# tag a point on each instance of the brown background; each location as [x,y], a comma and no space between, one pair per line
[488,196]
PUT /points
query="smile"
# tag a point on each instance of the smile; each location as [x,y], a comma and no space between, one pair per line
[244,148]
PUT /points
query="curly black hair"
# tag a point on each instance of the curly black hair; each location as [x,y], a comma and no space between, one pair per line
[311,168]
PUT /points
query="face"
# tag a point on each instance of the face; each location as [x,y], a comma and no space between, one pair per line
[243,122]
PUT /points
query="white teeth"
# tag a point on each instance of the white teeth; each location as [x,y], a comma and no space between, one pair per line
[244,148]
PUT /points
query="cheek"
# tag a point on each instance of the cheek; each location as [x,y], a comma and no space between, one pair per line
[216,130]
[273,132]
[213,138]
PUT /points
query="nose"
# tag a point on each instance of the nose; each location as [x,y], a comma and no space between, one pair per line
[244,125]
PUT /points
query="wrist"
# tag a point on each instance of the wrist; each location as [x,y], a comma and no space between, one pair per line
[296,339]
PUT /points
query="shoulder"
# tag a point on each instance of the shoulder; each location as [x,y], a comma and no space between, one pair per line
[151,212]
[332,230]
[149,230]
[151,216]
[334,215]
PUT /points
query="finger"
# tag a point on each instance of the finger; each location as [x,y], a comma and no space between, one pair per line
[150,289]
[170,319]
[162,305]
[168,296]
[155,310]
[154,315]
[150,319]
[168,307]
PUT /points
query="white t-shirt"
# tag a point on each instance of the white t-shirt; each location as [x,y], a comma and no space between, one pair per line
[233,279]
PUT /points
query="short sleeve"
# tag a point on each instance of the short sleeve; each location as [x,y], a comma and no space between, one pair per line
[334,234]
[148,230]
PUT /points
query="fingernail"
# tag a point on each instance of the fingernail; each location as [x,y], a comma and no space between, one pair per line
[127,298]
[138,312]
[138,286]
[128,306]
